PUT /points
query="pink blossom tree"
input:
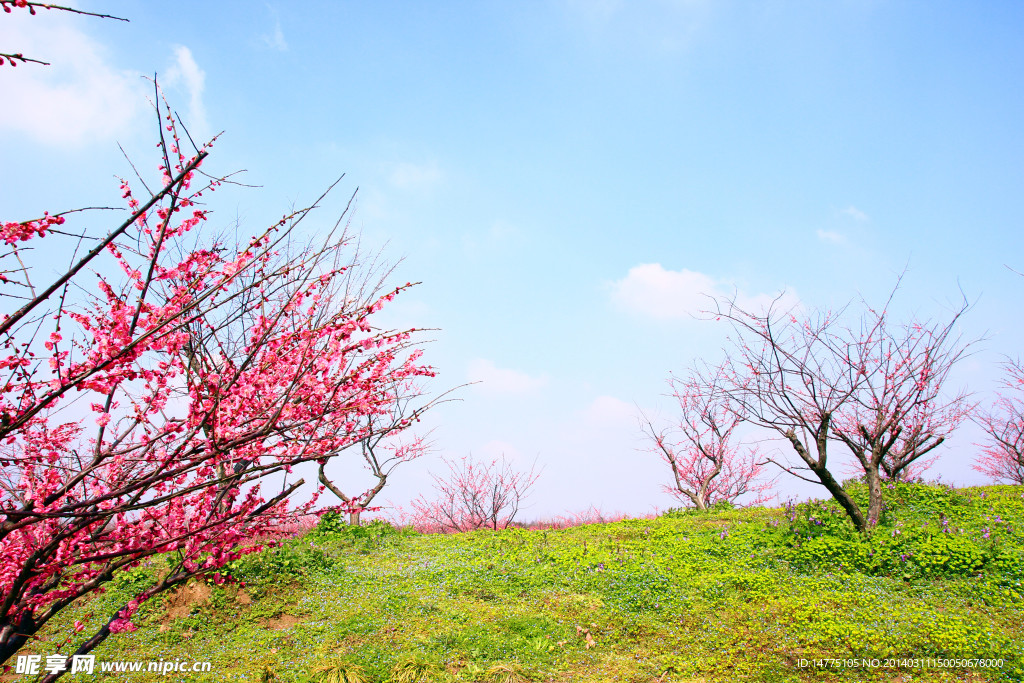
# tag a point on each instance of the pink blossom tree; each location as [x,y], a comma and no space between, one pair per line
[707,465]
[210,372]
[475,495]
[875,387]
[360,286]
[1003,455]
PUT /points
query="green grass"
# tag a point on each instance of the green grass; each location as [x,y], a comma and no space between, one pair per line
[717,596]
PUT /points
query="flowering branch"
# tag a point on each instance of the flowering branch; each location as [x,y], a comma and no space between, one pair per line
[9,5]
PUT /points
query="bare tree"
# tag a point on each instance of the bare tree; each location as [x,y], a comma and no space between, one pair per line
[1003,456]
[475,495]
[875,387]
[707,466]
[381,455]
[899,412]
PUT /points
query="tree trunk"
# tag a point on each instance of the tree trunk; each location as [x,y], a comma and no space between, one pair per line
[874,482]
[353,517]
[843,498]
[820,469]
[15,636]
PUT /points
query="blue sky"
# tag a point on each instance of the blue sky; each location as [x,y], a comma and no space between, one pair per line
[566,179]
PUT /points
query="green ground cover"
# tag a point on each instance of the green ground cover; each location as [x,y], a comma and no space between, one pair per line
[749,594]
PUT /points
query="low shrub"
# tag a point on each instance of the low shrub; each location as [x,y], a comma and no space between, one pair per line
[286,562]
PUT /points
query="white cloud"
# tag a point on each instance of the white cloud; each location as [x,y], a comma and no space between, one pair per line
[605,410]
[186,74]
[660,293]
[80,98]
[832,237]
[275,41]
[855,213]
[415,177]
[495,380]
[651,290]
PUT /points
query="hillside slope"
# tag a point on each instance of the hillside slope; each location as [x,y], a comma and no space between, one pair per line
[790,594]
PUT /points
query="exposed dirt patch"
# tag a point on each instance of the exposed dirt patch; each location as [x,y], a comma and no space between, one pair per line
[281,622]
[186,598]
[183,601]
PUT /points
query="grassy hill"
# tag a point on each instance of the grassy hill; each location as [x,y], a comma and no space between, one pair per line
[749,594]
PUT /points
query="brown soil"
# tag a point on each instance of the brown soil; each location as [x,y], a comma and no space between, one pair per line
[281,622]
[183,600]
[241,597]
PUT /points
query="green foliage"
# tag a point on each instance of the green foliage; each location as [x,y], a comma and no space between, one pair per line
[284,563]
[677,513]
[332,528]
[924,499]
[928,531]
[132,582]
[358,624]
[331,524]
[946,555]
[527,627]
[485,644]
[1009,562]
[638,588]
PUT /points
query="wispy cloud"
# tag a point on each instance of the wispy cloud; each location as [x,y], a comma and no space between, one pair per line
[603,421]
[495,380]
[275,40]
[651,290]
[80,98]
[664,27]
[185,73]
[415,177]
[854,213]
[831,237]
[606,410]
